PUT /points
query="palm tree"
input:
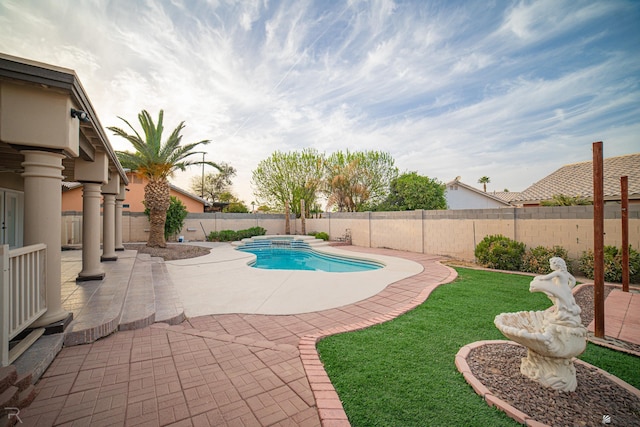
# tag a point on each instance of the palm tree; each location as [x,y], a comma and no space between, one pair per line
[484,181]
[156,161]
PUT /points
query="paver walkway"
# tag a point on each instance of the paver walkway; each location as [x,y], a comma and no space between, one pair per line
[231,369]
[622,316]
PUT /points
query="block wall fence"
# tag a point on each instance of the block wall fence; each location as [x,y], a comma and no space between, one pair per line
[453,233]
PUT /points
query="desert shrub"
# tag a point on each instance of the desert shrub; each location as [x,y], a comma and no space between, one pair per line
[500,252]
[232,235]
[250,232]
[612,264]
[321,235]
[536,260]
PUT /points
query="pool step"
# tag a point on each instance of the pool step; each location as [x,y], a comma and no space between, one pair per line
[258,242]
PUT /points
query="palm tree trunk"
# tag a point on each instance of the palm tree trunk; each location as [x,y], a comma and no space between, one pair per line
[157,199]
[157,219]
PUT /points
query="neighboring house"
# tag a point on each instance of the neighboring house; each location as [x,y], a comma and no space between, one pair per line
[72,196]
[576,179]
[49,133]
[462,196]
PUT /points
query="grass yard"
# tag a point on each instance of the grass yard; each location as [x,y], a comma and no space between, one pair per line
[402,373]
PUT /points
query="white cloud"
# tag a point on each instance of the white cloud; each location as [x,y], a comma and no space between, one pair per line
[447,88]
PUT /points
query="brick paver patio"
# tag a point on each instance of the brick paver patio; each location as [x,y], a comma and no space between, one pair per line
[231,369]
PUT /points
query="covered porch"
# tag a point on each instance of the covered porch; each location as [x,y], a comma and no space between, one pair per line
[49,134]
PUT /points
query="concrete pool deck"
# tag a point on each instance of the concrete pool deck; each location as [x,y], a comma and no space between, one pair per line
[222,282]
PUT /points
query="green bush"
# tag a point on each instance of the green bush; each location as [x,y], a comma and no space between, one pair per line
[321,235]
[176,214]
[232,235]
[536,260]
[500,252]
[250,232]
[612,264]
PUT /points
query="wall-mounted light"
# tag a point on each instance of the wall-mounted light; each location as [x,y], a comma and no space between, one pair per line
[80,115]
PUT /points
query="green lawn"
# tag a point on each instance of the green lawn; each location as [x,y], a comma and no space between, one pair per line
[402,373]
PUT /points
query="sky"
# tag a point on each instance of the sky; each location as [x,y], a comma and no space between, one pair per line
[511,90]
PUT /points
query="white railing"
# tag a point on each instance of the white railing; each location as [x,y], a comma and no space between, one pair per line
[22,293]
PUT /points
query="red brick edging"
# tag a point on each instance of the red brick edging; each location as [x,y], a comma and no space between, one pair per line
[328,402]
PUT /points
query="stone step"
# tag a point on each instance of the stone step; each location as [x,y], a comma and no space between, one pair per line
[33,362]
[101,314]
[23,381]
[8,377]
[26,396]
[140,307]
[169,308]
[9,397]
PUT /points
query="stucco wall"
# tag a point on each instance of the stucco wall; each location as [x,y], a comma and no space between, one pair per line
[135,195]
[135,226]
[72,200]
[456,233]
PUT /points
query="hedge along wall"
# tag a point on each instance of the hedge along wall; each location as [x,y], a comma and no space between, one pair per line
[452,233]
[135,226]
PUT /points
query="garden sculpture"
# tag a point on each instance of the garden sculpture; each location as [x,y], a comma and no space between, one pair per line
[553,337]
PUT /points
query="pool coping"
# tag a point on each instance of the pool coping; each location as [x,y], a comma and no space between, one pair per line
[240,288]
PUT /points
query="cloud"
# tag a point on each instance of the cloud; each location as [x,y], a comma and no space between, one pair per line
[511,91]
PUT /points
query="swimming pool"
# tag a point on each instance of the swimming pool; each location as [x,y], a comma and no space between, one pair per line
[277,258]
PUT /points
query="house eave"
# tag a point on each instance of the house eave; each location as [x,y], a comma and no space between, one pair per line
[48,76]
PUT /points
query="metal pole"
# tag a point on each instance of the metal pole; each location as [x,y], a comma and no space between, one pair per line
[202,189]
[303,224]
[624,191]
[598,239]
[287,225]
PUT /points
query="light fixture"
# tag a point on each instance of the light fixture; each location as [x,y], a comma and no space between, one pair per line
[80,115]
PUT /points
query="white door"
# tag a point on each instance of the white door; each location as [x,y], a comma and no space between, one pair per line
[11,218]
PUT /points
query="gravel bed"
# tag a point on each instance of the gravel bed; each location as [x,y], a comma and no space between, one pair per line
[497,366]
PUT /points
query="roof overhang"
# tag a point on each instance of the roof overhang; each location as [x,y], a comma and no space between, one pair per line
[50,77]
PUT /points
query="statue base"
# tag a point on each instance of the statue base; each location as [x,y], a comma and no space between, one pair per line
[555,372]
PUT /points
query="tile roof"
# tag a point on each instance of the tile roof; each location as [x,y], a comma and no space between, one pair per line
[506,196]
[577,180]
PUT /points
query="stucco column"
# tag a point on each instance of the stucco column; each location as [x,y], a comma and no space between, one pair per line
[118,224]
[91,267]
[108,228]
[42,221]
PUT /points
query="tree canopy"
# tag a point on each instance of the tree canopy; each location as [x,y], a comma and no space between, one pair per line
[289,177]
[563,200]
[411,191]
[213,185]
[357,179]
[484,181]
[349,180]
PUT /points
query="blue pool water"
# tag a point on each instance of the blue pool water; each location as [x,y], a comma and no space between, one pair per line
[306,259]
